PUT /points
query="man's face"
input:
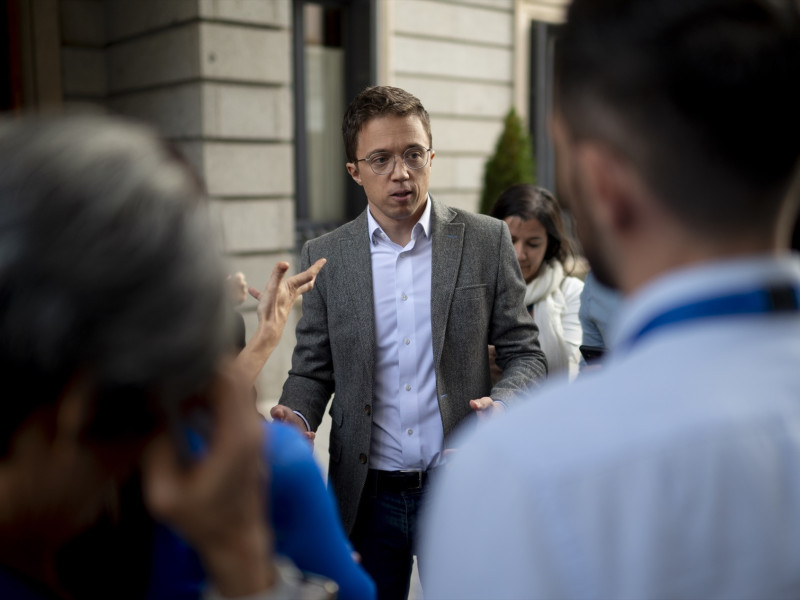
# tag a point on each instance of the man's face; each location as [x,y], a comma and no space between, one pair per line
[575,195]
[399,195]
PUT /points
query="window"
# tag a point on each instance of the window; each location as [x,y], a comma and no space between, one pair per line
[333,60]
[541,100]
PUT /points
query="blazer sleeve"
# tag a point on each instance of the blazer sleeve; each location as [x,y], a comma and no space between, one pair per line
[513,333]
[310,384]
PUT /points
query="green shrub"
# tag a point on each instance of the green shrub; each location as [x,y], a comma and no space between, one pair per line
[511,163]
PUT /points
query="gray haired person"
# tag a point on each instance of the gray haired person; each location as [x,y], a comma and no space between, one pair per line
[114,335]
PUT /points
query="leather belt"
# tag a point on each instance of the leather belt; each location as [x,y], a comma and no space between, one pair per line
[398,481]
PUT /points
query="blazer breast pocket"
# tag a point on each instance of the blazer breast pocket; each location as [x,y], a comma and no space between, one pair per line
[468,292]
[469,310]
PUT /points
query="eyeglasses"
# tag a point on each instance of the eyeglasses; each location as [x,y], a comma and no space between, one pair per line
[382,163]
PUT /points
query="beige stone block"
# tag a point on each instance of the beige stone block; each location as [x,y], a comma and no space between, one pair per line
[457,172]
[257,225]
[83,72]
[454,21]
[276,13]
[495,4]
[247,112]
[162,57]
[83,22]
[232,169]
[414,56]
[125,18]
[245,53]
[465,200]
[459,98]
[465,135]
[176,111]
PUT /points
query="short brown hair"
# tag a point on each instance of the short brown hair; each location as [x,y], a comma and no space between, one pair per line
[379,101]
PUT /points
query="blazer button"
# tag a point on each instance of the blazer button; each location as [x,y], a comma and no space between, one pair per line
[367,409]
[362,458]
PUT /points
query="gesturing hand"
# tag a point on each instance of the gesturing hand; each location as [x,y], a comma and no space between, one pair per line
[277,299]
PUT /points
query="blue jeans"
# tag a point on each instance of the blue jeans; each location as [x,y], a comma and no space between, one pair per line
[385,534]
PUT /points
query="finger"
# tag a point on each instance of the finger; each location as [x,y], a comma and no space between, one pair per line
[303,282]
[254,293]
[278,271]
[478,404]
[278,413]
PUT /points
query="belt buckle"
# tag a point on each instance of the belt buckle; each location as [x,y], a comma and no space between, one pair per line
[420,473]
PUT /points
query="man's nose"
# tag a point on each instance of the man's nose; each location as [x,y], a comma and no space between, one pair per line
[400,170]
[518,250]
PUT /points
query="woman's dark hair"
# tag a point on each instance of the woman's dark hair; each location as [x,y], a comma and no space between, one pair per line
[531,202]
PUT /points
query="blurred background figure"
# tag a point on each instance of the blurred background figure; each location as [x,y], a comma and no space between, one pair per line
[543,247]
[672,472]
[599,306]
[123,404]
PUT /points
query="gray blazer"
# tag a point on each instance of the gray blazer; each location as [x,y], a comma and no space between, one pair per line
[476,299]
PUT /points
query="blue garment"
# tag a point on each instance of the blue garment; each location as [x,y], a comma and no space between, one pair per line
[305,521]
[599,306]
[385,534]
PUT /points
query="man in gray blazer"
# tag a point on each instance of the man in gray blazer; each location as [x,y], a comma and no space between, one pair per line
[397,328]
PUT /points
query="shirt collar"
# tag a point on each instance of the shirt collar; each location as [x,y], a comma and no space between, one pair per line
[424,223]
[700,282]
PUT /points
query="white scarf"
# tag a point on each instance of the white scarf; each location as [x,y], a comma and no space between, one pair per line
[549,305]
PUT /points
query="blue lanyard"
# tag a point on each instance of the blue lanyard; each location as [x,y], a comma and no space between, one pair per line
[773,299]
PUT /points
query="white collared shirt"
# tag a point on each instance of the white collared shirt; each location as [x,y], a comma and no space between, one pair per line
[673,472]
[406,425]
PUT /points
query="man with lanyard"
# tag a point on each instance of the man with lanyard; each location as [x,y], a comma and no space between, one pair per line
[673,472]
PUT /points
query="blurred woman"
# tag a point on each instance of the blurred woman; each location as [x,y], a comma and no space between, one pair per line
[533,216]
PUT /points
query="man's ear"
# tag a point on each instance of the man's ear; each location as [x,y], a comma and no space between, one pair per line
[612,184]
[353,170]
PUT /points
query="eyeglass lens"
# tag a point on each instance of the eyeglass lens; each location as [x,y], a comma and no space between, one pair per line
[383,162]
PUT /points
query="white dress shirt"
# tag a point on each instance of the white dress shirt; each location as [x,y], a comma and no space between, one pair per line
[673,472]
[406,425]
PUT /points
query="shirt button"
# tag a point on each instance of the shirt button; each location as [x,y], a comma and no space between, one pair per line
[362,458]
[367,409]
[403,297]
[408,387]
[406,341]
[410,431]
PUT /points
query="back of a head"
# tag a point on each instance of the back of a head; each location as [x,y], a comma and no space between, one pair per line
[379,101]
[107,271]
[701,96]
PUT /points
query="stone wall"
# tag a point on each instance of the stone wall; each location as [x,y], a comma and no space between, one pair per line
[458,58]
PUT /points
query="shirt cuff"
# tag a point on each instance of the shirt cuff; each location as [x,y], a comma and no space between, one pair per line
[308,427]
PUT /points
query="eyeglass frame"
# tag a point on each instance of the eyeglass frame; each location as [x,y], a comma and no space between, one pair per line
[394,160]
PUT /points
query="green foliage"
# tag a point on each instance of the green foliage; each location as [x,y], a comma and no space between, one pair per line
[511,163]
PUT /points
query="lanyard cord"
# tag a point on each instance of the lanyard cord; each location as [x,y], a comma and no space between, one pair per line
[773,299]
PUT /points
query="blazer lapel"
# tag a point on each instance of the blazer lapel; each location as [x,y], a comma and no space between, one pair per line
[447,241]
[356,282]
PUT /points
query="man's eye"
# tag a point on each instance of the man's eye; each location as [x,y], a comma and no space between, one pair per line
[379,159]
[414,155]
